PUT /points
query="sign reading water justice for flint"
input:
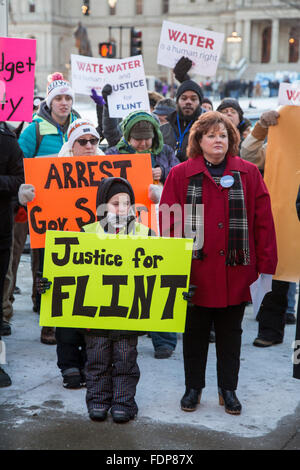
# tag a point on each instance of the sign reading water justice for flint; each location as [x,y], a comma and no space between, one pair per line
[126,76]
[201,46]
[115,282]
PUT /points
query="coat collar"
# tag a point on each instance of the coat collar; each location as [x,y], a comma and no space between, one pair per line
[197,165]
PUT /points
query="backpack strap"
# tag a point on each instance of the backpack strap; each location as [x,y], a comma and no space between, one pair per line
[38,137]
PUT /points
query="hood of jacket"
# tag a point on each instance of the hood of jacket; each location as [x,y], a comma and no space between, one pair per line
[126,126]
[102,199]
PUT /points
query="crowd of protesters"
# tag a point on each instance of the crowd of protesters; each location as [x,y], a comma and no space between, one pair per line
[199,158]
[235,88]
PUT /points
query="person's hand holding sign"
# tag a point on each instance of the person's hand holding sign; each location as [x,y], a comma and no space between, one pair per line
[155,189]
[189,294]
[269,118]
[157,173]
[106,91]
[42,283]
[26,193]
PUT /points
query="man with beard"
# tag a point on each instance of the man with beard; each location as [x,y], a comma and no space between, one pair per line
[175,132]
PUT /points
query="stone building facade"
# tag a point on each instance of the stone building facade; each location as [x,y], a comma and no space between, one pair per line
[266,33]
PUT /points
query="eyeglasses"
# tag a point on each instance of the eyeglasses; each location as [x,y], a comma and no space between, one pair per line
[83,142]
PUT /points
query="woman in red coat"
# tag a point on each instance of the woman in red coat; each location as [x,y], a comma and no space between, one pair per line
[239,244]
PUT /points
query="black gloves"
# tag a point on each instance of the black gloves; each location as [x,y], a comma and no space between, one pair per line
[42,283]
[181,69]
[189,295]
[106,90]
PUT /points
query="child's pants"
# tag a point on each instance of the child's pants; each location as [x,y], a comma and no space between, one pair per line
[112,373]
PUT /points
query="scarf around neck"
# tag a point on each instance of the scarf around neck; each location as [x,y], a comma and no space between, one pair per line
[238,252]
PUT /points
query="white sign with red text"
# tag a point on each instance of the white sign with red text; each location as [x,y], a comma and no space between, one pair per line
[203,47]
[126,76]
[289,94]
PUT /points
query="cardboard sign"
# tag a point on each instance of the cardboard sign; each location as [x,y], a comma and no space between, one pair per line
[17,65]
[66,190]
[201,46]
[289,94]
[282,177]
[126,76]
[115,282]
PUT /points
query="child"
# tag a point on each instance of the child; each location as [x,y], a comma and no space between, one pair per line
[111,370]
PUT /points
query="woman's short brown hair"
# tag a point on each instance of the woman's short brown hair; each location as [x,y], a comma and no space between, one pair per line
[202,126]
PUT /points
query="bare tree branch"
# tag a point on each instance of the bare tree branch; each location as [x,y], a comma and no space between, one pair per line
[291,4]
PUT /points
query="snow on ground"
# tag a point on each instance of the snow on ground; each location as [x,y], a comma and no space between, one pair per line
[266,388]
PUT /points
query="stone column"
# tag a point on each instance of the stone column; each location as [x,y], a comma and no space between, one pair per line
[238,46]
[274,41]
[246,39]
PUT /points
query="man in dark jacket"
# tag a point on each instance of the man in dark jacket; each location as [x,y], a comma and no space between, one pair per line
[11,177]
[175,132]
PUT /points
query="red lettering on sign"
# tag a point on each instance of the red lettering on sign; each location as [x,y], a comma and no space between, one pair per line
[191,39]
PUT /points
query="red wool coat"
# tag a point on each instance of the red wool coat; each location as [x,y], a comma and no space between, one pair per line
[220,285]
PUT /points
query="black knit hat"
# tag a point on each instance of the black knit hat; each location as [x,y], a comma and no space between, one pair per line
[208,101]
[116,188]
[108,187]
[231,103]
[189,85]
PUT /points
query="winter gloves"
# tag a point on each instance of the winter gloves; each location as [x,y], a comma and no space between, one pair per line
[26,193]
[101,100]
[97,98]
[269,118]
[42,283]
[181,69]
[154,192]
[189,294]
[106,90]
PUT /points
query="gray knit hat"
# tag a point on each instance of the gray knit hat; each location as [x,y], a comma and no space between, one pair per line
[142,130]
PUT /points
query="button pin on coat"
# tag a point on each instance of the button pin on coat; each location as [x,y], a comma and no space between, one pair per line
[227,181]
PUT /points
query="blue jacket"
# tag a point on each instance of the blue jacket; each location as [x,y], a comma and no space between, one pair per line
[52,135]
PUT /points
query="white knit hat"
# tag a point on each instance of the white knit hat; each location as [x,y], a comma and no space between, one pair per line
[79,128]
[57,85]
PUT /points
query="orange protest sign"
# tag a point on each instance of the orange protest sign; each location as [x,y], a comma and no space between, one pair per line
[66,190]
[282,177]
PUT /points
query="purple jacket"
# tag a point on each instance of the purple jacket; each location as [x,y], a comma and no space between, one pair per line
[165,159]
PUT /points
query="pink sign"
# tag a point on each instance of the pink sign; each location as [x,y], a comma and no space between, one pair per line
[17,65]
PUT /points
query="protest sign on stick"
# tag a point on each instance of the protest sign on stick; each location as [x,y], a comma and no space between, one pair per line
[66,190]
[201,46]
[126,76]
[17,66]
[115,282]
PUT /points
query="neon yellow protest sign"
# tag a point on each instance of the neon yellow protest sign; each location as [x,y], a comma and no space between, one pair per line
[115,282]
